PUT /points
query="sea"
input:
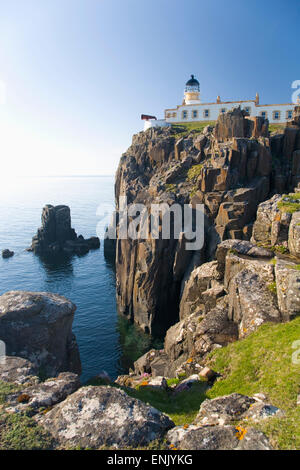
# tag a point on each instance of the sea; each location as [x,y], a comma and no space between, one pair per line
[107,341]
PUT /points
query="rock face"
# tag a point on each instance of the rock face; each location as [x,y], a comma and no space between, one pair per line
[104,416]
[223,301]
[230,170]
[56,234]
[38,326]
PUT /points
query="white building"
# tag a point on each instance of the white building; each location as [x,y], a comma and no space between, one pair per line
[193,110]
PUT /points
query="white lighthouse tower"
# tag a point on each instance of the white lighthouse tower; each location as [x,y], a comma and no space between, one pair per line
[192,91]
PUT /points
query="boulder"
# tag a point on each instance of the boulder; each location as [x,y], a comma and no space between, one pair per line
[223,410]
[104,416]
[267,214]
[294,235]
[236,263]
[38,326]
[239,247]
[200,280]
[17,370]
[288,288]
[45,394]
[187,384]
[213,331]
[260,411]
[251,302]
[217,438]
[7,253]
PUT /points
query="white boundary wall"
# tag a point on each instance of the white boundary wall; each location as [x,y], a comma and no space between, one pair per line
[198,112]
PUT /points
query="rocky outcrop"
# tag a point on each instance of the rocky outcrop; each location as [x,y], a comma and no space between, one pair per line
[43,395]
[94,417]
[223,301]
[56,234]
[216,428]
[17,370]
[38,326]
[230,170]
[232,408]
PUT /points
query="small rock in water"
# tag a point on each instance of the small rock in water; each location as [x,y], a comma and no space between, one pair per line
[7,253]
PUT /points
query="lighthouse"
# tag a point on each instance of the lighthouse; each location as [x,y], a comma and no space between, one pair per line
[192,91]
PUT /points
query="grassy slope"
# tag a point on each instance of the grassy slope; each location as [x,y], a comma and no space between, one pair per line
[18,431]
[182,408]
[182,129]
[263,363]
[260,363]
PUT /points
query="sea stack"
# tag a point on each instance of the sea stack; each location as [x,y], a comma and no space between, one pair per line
[56,234]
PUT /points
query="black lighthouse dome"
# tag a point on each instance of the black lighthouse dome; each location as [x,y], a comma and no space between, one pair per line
[192,84]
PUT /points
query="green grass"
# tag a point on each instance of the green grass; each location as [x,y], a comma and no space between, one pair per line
[289,203]
[276,127]
[294,266]
[20,432]
[171,188]
[182,408]
[7,389]
[262,363]
[183,129]
[194,172]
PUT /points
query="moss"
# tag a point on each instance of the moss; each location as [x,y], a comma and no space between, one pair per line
[273,261]
[262,363]
[272,287]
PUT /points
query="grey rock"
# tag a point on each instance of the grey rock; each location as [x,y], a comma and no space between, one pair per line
[200,281]
[261,411]
[251,303]
[217,438]
[45,394]
[56,234]
[223,410]
[17,370]
[38,326]
[287,288]
[294,235]
[239,247]
[104,416]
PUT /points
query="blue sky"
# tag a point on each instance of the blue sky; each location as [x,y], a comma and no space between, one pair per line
[78,73]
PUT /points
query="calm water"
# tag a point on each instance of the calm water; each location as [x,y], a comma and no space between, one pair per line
[106,341]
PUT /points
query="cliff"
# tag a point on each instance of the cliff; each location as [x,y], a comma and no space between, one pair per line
[230,169]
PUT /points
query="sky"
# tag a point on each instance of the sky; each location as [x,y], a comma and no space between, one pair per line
[75,75]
